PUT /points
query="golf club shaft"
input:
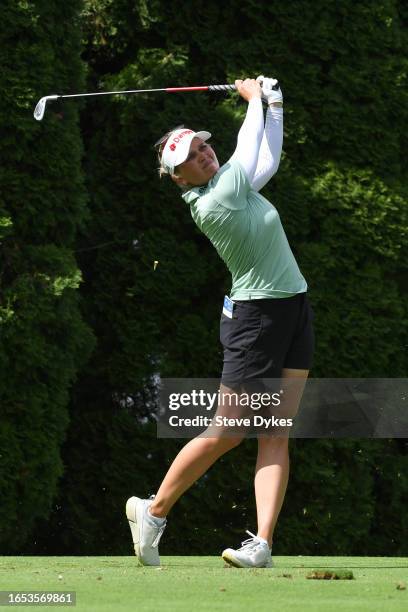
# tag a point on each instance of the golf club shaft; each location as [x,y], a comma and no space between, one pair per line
[41,104]
[40,108]
[166,89]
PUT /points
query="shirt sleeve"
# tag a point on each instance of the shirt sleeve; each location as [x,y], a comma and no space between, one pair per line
[270,149]
[249,138]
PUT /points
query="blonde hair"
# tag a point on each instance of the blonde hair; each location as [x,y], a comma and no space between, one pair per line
[159,146]
[162,172]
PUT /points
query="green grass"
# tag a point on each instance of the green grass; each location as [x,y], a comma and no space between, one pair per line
[203,583]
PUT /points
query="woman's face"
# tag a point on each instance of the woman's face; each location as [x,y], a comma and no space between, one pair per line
[200,165]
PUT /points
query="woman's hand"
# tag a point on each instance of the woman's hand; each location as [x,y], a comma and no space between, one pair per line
[248,89]
[271,92]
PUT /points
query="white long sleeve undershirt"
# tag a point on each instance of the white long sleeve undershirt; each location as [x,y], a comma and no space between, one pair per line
[259,148]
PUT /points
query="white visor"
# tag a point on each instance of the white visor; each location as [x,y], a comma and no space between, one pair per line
[177,147]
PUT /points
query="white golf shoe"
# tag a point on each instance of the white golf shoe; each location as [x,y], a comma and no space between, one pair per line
[146,530]
[254,552]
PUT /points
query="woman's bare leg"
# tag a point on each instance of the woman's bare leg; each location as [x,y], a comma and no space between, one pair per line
[272,466]
[194,459]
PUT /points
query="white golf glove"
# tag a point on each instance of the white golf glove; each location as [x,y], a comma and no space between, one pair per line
[269,95]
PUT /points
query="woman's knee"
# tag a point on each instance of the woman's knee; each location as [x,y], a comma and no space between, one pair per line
[224,443]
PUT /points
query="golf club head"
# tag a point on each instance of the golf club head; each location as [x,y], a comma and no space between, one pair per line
[40,108]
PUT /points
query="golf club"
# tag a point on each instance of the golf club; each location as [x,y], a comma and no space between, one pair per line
[40,108]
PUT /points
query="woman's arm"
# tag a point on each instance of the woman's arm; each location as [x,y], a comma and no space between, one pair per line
[252,130]
[270,149]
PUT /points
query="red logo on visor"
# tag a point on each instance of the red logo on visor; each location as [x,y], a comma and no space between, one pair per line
[172,147]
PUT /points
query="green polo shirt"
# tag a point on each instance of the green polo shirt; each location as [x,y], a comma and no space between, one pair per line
[247,232]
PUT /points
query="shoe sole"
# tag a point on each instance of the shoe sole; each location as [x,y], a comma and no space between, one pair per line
[235,563]
[134,517]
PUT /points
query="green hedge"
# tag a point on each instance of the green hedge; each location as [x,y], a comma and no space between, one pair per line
[43,337]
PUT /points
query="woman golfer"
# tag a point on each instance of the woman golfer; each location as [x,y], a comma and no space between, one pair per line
[266,323]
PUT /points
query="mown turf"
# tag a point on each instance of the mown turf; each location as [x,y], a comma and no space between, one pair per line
[203,583]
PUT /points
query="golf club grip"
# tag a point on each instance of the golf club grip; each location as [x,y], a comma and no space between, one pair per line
[232,87]
[221,88]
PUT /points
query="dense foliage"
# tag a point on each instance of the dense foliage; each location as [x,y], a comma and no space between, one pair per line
[342,197]
[44,339]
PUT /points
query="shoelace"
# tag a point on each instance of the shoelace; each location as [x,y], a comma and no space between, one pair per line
[160,530]
[252,543]
[159,535]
